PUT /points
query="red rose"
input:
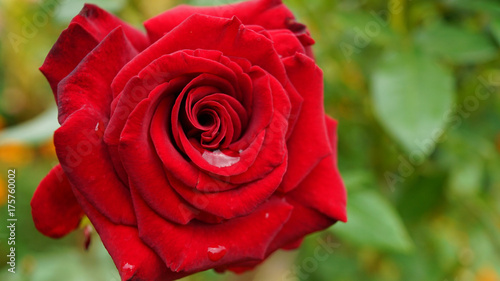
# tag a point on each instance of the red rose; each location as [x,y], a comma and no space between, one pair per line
[201,145]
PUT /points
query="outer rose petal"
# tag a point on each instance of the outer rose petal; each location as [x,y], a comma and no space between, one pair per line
[54,208]
[309,142]
[89,85]
[66,54]
[271,14]
[86,162]
[85,31]
[285,42]
[85,96]
[302,222]
[188,245]
[99,23]
[228,36]
[328,195]
[134,260]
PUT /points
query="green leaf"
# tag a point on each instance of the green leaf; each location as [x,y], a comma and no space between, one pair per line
[34,131]
[456,44]
[412,95]
[372,221]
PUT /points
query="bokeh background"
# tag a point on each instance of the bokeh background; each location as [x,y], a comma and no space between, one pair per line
[415,86]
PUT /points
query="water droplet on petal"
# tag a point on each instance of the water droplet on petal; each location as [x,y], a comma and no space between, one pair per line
[99,129]
[128,271]
[216,253]
[218,159]
[267,215]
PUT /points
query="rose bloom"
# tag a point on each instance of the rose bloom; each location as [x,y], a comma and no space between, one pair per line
[203,144]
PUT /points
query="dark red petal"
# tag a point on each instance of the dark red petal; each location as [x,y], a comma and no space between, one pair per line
[164,68]
[54,208]
[85,31]
[293,245]
[323,190]
[132,257]
[99,23]
[235,202]
[245,238]
[89,85]
[296,101]
[228,36]
[273,149]
[285,42]
[267,91]
[71,47]
[302,222]
[271,14]
[309,142]
[143,166]
[262,108]
[86,161]
[85,96]
[319,201]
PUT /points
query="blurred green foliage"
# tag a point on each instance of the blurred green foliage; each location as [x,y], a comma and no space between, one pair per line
[415,87]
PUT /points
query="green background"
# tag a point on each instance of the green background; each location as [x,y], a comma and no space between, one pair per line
[415,87]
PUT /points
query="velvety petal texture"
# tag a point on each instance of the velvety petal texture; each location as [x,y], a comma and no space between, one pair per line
[85,31]
[54,207]
[203,144]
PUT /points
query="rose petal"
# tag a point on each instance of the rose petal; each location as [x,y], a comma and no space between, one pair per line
[285,42]
[89,85]
[85,31]
[99,23]
[85,159]
[71,47]
[329,194]
[231,236]
[85,99]
[228,36]
[323,190]
[302,222]
[309,142]
[271,14]
[54,208]
[163,69]
[133,259]
[143,165]
[234,202]
[319,201]
[265,93]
